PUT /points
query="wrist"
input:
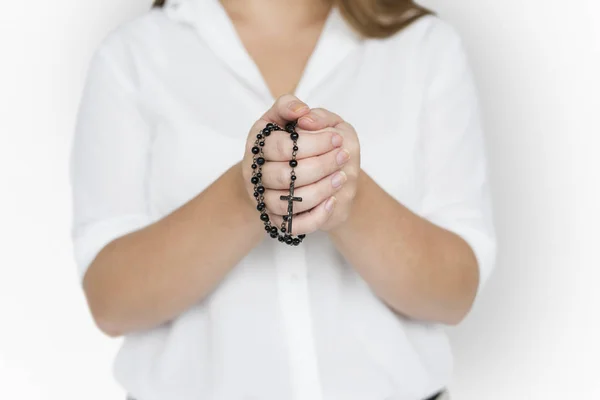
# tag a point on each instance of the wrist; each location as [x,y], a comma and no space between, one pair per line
[244,204]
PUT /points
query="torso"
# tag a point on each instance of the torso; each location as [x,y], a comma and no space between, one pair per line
[285,320]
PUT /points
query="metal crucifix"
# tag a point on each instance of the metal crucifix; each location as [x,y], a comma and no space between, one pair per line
[290,199]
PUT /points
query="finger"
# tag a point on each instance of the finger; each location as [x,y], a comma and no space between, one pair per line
[285,109]
[276,175]
[309,221]
[279,147]
[311,195]
[319,118]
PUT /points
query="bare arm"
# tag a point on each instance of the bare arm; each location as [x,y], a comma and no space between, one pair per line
[428,264]
[138,273]
[417,268]
[149,276]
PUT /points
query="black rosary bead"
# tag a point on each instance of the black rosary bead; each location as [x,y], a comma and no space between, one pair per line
[259,190]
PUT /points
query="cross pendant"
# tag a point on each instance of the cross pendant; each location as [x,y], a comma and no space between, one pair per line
[290,199]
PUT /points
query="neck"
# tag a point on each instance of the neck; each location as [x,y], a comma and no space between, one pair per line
[294,12]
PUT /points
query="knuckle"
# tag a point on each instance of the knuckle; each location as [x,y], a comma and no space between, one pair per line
[332,164]
[325,188]
[273,206]
[320,111]
[321,166]
[312,224]
[323,218]
[282,177]
[330,132]
[267,202]
[257,126]
[281,207]
[280,148]
[345,126]
[284,99]
[333,130]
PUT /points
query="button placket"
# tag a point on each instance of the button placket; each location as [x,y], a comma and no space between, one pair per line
[297,323]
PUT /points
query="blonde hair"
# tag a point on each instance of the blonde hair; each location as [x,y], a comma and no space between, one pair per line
[373,18]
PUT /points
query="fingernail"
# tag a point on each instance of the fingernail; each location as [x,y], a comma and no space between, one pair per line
[297,106]
[342,156]
[338,179]
[307,118]
[330,204]
[337,140]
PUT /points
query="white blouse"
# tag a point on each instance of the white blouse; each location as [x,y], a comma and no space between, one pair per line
[155,128]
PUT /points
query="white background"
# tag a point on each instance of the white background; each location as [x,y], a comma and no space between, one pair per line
[534,335]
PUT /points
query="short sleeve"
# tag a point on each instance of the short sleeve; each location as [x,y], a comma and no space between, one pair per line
[108,164]
[454,178]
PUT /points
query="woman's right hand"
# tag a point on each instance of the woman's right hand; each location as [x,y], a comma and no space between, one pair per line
[318,157]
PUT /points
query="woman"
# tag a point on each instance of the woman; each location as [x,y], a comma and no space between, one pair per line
[168,240]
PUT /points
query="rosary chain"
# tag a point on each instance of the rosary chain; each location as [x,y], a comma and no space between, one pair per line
[258,160]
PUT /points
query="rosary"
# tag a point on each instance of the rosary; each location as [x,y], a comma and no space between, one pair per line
[257,162]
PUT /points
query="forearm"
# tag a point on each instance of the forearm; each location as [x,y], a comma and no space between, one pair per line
[420,270]
[150,276]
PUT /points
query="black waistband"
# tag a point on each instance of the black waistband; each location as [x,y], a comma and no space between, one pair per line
[435,396]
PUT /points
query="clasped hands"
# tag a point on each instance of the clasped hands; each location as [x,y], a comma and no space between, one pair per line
[327,172]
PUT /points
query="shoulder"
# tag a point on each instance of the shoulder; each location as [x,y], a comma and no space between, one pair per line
[138,32]
[419,46]
[426,39]
[428,33]
[135,45]
[428,49]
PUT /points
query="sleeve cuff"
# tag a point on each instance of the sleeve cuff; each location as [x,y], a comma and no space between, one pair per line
[89,240]
[481,242]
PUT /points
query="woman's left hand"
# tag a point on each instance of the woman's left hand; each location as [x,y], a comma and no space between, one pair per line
[319,119]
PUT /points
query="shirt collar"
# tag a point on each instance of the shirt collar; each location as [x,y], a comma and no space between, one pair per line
[211,22]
